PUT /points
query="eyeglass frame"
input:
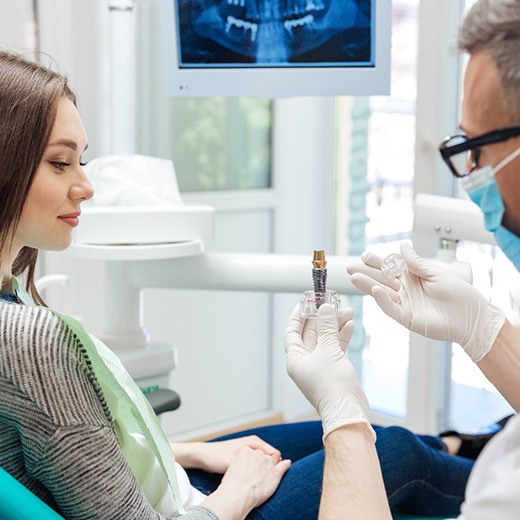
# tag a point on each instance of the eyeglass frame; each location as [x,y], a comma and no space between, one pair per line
[473,146]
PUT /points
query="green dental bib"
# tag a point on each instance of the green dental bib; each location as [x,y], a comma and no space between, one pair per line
[133,416]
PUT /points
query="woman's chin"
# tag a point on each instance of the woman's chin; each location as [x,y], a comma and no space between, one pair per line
[58,246]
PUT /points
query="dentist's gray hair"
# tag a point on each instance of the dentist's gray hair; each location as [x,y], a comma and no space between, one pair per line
[494,26]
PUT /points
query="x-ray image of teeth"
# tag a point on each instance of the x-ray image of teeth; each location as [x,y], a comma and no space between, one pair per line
[231,33]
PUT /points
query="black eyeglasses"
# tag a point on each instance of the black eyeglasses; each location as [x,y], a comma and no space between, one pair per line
[462,154]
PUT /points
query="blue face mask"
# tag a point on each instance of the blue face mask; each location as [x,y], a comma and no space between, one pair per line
[483,191]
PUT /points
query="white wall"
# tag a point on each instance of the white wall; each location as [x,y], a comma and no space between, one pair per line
[17,30]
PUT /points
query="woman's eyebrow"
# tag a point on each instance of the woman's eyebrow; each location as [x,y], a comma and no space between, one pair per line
[67,142]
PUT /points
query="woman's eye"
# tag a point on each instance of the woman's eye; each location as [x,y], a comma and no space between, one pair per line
[60,165]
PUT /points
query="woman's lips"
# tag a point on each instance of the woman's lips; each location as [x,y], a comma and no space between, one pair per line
[71,220]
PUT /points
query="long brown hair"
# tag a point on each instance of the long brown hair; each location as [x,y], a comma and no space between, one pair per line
[29,97]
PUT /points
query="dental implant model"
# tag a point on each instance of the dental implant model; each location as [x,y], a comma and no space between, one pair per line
[312,300]
[319,271]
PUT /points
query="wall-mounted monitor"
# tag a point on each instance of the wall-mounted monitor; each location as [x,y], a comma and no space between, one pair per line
[276,48]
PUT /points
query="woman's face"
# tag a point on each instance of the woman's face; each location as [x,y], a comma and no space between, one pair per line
[52,207]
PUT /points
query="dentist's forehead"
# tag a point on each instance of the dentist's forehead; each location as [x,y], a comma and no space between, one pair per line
[482,102]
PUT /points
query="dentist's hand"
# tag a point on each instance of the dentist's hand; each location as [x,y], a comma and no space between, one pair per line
[316,362]
[431,301]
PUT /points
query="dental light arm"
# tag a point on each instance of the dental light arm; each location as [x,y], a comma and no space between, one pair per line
[206,271]
[239,272]
[133,268]
[450,219]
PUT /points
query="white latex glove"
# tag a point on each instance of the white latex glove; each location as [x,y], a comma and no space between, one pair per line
[316,362]
[431,301]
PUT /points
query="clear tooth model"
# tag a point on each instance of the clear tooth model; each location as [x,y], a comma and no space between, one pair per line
[393,265]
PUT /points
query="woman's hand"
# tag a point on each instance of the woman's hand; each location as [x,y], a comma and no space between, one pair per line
[251,478]
[216,457]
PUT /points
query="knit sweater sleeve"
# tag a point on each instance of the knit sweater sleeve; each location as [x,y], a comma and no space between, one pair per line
[59,439]
[84,470]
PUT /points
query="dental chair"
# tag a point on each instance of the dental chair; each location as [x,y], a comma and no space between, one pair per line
[18,503]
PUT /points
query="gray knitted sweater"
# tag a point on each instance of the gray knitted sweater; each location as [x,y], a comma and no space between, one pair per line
[56,435]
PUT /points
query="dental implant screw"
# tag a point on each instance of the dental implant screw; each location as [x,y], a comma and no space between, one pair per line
[312,300]
[319,271]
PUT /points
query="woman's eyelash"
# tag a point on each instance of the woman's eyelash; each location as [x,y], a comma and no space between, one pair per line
[60,165]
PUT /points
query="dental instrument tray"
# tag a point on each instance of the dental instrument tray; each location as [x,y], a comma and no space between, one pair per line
[130,225]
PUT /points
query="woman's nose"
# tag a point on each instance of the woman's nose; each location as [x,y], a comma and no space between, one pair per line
[82,188]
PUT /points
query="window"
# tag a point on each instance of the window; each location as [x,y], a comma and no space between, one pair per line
[221,143]
[390,171]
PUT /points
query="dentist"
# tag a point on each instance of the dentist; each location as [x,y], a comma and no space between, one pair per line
[431,302]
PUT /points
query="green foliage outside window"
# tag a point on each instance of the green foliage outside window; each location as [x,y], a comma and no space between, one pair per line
[221,143]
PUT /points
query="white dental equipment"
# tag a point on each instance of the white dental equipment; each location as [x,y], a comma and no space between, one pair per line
[184,265]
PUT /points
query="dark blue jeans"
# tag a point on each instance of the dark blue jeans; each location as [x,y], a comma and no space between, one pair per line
[420,476]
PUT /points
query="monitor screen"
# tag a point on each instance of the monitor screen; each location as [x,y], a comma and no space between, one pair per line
[276,48]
